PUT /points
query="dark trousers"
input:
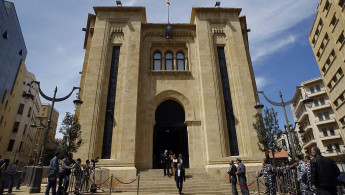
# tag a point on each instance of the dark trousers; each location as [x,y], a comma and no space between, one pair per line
[179,184]
[243,185]
[233,185]
[327,190]
[270,188]
[63,176]
[52,185]
[166,168]
[85,183]
[10,181]
[2,184]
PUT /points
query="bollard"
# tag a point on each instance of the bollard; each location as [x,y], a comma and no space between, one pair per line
[138,177]
[111,184]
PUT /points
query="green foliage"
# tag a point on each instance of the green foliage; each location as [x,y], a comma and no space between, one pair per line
[268,132]
[71,132]
[297,144]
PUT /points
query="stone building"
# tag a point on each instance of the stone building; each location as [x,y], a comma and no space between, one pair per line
[21,136]
[327,39]
[41,122]
[319,125]
[148,87]
[12,71]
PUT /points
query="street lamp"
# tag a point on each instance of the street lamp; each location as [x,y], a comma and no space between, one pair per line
[37,179]
[307,101]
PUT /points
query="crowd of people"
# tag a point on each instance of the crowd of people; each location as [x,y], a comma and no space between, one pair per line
[175,164]
[63,172]
[306,176]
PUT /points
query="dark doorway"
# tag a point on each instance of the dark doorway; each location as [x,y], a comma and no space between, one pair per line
[170,132]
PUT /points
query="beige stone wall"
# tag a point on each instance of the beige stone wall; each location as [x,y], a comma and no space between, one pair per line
[329,11]
[8,111]
[140,89]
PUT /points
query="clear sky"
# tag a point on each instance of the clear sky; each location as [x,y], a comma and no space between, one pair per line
[281,54]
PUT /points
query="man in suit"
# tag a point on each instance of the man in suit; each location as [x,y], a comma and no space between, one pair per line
[232,177]
[241,174]
[165,162]
[324,173]
[180,177]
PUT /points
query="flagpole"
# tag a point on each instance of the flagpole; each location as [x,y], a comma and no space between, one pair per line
[168,13]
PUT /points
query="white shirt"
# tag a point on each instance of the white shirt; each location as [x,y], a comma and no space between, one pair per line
[178,172]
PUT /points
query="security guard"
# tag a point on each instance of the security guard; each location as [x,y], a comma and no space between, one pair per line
[269,173]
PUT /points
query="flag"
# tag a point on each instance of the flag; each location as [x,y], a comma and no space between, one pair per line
[168,2]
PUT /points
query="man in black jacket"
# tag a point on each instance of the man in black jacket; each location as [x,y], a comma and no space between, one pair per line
[232,177]
[324,173]
[165,162]
[180,177]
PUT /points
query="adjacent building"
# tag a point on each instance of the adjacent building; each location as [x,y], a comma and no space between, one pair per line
[22,134]
[150,87]
[12,74]
[327,39]
[42,122]
[317,125]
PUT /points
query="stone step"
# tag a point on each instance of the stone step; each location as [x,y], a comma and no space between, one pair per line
[198,181]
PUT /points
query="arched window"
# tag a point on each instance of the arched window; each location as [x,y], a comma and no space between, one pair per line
[169,61]
[157,61]
[180,61]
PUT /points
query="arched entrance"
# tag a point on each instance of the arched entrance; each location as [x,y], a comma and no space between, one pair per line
[170,132]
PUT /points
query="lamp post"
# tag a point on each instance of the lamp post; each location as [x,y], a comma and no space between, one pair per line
[307,101]
[37,179]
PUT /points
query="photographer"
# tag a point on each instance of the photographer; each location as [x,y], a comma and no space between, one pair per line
[65,172]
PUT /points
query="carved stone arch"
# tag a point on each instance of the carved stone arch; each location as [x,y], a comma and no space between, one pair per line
[176,96]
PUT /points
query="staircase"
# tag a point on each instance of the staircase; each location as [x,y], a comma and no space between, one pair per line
[152,181]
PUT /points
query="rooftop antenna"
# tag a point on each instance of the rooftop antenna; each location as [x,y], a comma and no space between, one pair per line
[168,3]
[217,4]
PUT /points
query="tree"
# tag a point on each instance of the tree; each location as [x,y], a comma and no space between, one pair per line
[71,132]
[268,132]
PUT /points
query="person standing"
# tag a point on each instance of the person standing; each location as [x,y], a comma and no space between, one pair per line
[2,168]
[180,159]
[180,177]
[86,175]
[53,174]
[78,175]
[65,172]
[269,173]
[301,170]
[174,163]
[241,174]
[324,173]
[165,162]
[13,169]
[306,177]
[232,177]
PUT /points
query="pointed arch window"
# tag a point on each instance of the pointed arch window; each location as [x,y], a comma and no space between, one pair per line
[169,61]
[157,61]
[180,61]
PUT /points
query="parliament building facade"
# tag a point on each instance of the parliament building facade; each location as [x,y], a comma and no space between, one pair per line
[148,87]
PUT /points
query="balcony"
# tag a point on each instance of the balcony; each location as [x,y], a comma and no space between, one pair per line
[322,106]
[303,116]
[308,129]
[332,153]
[329,137]
[309,143]
[325,121]
[316,93]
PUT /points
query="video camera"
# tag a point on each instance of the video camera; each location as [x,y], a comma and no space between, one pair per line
[96,160]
